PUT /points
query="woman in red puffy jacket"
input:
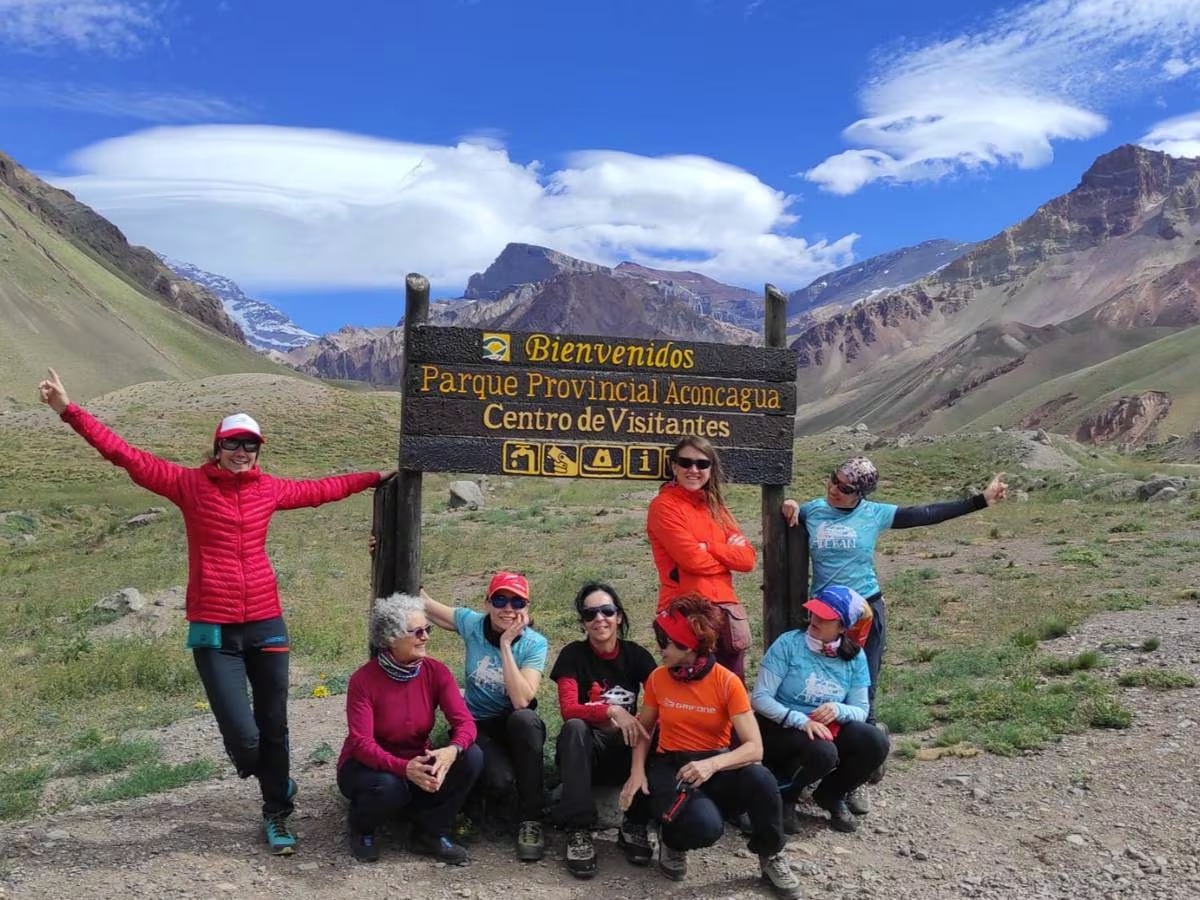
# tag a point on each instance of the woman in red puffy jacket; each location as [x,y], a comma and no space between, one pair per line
[235,622]
[697,544]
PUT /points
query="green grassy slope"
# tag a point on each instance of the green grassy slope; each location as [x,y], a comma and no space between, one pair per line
[60,307]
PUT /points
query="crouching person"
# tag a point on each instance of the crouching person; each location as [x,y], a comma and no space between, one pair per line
[693,781]
[387,768]
[599,679]
[811,698]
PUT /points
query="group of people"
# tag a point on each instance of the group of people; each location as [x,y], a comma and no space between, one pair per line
[688,744]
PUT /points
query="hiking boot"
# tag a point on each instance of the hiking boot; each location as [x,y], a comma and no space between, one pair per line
[807,792]
[877,775]
[791,821]
[778,872]
[279,836]
[741,821]
[439,846]
[673,863]
[840,817]
[635,842]
[363,847]
[859,800]
[530,844]
[581,854]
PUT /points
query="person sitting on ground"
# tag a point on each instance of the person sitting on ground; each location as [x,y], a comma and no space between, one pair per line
[599,679]
[843,527]
[811,703]
[387,768]
[692,781]
[505,659]
[236,630]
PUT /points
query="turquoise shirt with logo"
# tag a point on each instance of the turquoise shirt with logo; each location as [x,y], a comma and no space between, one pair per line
[841,543]
[485,694]
[793,681]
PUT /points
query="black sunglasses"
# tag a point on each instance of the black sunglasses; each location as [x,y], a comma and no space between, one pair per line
[250,445]
[590,612]
[662,640]
[847,489]
[688,462]
[503,601]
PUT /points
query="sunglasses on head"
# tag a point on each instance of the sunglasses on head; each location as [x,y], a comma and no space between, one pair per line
[250,445]
[420,633]
[503,601]
[590,612]
[847,489]
[689,462]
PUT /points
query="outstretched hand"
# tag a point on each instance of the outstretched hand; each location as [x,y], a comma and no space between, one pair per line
[53,394]
[996,491]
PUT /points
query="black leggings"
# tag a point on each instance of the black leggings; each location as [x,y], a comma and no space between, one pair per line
[255,735]
[841,765]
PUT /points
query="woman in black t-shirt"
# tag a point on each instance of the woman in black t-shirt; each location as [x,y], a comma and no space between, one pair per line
[599,680]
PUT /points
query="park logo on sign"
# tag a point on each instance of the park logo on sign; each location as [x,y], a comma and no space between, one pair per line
[497,346]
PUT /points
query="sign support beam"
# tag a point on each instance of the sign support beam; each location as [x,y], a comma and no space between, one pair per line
[776,599]
[408,481]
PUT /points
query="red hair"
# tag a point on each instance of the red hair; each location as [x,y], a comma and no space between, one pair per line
[703,618]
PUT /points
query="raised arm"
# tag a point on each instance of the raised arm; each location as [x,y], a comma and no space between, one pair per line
[933,513]
[521,684]
[145,469]
[439,614]
[292,493]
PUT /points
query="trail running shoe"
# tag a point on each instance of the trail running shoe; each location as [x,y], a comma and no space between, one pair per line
[778,872]
[440,846]
[531,846]
[673,863]
[280,837]
[581,854]
[859,800]
[635,842]
[363,847]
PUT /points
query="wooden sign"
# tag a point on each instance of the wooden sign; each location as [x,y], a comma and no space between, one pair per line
[581,406]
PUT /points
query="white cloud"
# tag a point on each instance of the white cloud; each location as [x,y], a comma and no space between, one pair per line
[1035,74]
[112,27]
[1179,136]
[150,106]
[289,208]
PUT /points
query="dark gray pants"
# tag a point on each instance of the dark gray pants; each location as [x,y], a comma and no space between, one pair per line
[587,756]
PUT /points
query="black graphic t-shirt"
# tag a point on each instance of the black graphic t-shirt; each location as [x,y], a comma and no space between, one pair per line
[612,682]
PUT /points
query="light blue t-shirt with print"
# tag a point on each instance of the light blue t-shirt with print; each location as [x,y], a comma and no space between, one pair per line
[485,694]
[841,543]
[793,681]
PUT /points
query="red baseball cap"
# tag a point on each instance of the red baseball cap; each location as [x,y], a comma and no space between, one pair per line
[511,582]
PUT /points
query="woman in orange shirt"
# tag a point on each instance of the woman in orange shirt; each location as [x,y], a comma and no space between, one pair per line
[693,781]
[697,544]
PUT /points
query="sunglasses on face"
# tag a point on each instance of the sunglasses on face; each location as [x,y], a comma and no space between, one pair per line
[688,462]
[848,489]
[421,633]
[607,610]
[504,601]
[250,445]
[662,640]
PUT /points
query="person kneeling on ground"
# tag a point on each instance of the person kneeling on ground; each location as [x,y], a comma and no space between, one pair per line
[599,679]
[811,703]
[693,782]
[387,768]
[505,659]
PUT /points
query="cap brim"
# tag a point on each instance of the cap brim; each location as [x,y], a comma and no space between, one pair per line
[241,432]
[822,609]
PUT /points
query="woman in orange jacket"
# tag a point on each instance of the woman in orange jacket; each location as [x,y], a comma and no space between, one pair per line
[697,544]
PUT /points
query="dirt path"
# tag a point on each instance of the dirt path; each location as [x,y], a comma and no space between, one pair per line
[1102,814]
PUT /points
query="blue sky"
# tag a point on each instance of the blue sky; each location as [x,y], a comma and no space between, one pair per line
[316,152]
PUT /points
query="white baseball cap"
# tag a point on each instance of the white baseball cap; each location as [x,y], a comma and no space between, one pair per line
[238,424]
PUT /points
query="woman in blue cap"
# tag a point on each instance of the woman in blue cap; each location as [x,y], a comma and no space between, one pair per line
[810,700]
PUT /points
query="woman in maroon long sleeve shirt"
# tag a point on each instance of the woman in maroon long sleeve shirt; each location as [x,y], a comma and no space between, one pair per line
[387,767]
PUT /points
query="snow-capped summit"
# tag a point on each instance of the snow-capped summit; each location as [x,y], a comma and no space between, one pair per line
[265,326]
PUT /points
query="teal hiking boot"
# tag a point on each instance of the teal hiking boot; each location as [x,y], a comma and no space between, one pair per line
[280,837]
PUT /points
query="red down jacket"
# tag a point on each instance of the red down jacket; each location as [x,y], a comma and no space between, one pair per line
[226,515]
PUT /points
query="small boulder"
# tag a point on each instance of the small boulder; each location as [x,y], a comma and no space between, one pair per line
[465,493]
[1155,485]
[126,600]
[1166,495]
[861,428]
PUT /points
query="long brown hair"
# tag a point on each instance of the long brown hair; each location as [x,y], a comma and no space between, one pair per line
[712,488]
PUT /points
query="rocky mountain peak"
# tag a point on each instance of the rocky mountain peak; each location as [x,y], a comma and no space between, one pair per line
[523,264]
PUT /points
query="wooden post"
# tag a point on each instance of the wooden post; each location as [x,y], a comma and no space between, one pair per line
[776,595]
[408,482]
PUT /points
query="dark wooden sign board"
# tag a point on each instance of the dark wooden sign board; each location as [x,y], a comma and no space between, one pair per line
[584,406]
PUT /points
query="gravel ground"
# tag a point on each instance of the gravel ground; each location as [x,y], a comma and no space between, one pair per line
[1105,814]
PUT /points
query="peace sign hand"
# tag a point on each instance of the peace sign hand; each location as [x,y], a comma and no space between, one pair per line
[53,394]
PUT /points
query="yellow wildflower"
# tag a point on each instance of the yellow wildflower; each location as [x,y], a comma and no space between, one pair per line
[320,691]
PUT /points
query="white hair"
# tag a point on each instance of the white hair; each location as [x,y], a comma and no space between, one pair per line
[390,618]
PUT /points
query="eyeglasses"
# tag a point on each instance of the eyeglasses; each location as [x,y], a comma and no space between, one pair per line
[690,462]
[662,640]
[503,601]
[590,612]
[250,445]
[847,489]
[421,633]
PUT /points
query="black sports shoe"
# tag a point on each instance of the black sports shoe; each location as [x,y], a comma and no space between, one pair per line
[363,847]
[531,846]
[440,846]
[581,854]
[635,842]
